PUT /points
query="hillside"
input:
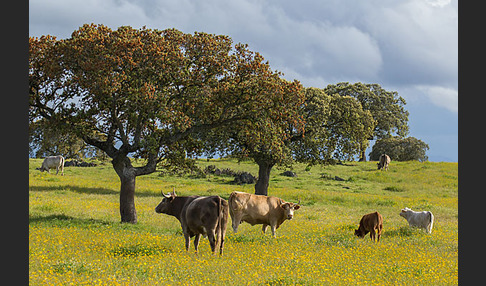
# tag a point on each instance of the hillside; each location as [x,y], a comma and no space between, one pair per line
[75,234]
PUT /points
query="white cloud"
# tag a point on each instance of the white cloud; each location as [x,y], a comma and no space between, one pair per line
[419,42]
[61,18]
[442,96]
[438,3]
[393,42]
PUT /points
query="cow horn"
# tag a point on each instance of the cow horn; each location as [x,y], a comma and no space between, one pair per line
[299,202]
[173,192]
[165,196]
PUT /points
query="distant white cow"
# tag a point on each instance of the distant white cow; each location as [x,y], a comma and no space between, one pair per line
[53,162]
[384,162]
[424,219]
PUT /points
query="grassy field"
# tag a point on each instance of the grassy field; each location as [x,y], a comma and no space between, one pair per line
[75,236]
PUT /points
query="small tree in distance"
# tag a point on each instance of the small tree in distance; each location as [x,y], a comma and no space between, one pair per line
[400,149]
[386,107]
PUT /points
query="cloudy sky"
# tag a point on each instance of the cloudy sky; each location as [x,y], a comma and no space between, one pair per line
[408,46]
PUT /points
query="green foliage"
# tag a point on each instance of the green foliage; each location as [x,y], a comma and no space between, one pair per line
[156,93]
[349,127]
[386,107]
[400,149]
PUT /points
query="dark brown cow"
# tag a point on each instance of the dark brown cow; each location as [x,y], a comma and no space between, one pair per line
[372,223]
[198,216]
[259,209]
[384,162]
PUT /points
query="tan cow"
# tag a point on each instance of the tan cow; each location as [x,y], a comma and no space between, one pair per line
[372,223]
[259,209]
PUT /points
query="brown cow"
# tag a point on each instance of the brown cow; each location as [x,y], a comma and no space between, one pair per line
[198,216]
[259,209]
[384,162]
[372,223]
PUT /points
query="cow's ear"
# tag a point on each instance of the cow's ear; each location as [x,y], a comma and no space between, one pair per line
[296,207]
[285,206]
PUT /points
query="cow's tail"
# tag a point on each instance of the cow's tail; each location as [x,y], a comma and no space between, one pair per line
[62,165]
[222,223]
[431,223]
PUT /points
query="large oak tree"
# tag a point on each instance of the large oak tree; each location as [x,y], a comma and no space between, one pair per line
[151,93]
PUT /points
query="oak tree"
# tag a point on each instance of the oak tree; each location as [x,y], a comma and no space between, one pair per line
[386,107]
[148,93]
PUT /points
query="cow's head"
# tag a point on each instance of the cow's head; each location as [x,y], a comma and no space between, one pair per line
[404,212]
[359,232]
[165,204]
[289,208]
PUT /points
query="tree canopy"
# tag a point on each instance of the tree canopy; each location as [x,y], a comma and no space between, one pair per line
[151,93]
[386,107]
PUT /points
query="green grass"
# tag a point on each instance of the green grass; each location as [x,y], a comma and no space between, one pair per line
[75,235]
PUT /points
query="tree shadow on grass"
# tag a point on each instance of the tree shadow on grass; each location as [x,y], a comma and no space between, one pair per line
[62,220]
[85,190]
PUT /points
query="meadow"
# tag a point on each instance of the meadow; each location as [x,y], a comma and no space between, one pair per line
[76,238]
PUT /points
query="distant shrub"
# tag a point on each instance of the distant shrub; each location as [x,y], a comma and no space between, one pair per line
[136,250]
[395,189]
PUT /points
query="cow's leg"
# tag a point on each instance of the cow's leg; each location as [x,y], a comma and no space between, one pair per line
[222,244]
[196,241]
[235,222]
[186,237]
[372,234]
[264,227]
[212,240]
[223,222]
[274,230]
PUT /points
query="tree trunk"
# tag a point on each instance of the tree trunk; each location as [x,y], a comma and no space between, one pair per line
[128,212]
[362,156]
[126,172]
[261,186]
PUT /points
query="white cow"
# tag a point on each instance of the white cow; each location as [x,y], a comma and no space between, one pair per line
[53,162]
[384,162]
[424,219]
